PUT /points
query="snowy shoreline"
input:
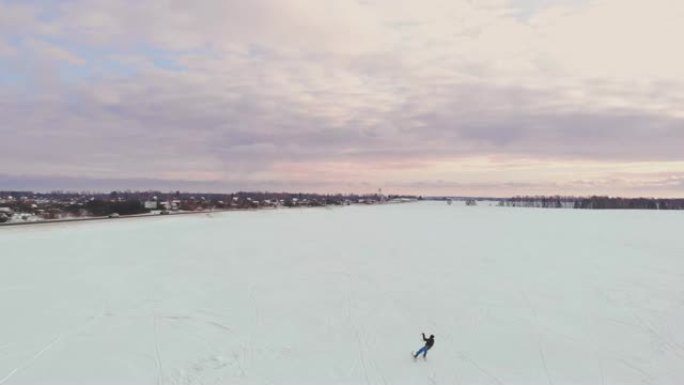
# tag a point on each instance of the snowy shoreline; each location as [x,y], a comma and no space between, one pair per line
[171,214]
[155,215]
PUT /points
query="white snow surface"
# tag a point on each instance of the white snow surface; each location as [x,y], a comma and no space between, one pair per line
[340,296]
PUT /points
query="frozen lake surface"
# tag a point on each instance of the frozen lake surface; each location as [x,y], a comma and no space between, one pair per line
[340,296]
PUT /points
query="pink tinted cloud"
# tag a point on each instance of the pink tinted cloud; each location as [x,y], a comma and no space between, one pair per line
[315,93]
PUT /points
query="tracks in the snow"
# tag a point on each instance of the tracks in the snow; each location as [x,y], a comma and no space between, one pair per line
[49,345]
[157,355]
[34,357]
[367,364]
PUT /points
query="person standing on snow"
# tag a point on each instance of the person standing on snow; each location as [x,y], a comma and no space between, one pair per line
[428,345]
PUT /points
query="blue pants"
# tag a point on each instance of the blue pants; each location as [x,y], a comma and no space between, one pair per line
[423,350]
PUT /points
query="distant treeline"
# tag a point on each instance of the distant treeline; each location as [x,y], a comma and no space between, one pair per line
[594,202]
[58,204]
[162,196]
[101,208]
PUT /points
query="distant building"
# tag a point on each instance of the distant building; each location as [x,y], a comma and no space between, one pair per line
[150,205]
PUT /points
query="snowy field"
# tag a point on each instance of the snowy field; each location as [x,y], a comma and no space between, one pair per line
[340,296]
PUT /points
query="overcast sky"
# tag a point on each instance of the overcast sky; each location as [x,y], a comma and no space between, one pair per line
[487,97]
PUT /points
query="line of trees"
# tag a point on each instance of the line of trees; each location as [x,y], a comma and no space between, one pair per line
[602,202]
[102,207]
[556,201]
[594,202]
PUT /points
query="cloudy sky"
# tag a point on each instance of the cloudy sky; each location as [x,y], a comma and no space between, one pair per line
[487,97]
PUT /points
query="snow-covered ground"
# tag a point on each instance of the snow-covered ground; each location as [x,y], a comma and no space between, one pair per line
[340,296]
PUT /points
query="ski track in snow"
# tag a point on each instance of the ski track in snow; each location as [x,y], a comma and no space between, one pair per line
[34,357]
[61,336]
[647,377]
[659,338]
[543,359]
[535,329]
[211,322]
[484,371]
[361,356]
[157,355]
[351,321]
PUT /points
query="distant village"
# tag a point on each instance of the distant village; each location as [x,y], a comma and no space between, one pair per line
[27,206]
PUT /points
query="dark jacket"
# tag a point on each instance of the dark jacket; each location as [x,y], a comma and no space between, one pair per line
[429,341]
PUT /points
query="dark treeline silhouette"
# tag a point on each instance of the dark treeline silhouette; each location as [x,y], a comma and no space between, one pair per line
[598,202]
[556,201]
[101,207]
[594,202]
